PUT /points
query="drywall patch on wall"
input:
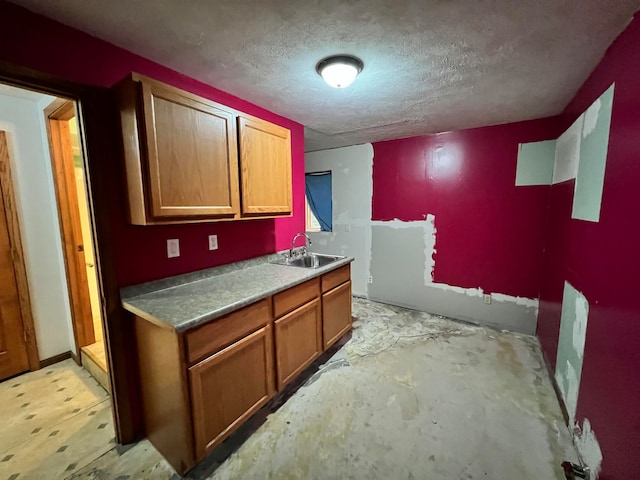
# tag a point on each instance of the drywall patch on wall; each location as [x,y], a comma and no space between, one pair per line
[587,198]
[536,162]
[589,448]
[527,302]
[428,232]
[573,330]
[429,248]
[567,155]
[352,191]
[402,266]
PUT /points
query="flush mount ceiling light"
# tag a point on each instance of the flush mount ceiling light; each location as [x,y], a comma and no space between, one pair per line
[339,71]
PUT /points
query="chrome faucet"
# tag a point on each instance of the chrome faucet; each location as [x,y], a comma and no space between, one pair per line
[307,243]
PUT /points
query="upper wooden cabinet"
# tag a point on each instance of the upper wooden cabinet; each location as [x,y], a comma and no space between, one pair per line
[265,167]
[182,163]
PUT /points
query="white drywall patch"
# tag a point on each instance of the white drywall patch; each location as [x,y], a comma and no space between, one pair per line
[429,249]
[352,192]
[587,198]
[568,152]
[589,448]
[535,163]
[402,266]
[591,118]
[527,302]
[471,292]
[580,325]
[571,341]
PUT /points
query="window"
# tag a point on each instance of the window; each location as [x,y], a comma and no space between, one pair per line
[312,222]
[318,201]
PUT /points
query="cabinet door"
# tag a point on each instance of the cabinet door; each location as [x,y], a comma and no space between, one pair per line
[336,314]
[191,153]
[298,341]
[265,167]
[229,387]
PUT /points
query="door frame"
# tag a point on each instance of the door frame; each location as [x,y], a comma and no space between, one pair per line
[97,121]
[17,255]
[57,114]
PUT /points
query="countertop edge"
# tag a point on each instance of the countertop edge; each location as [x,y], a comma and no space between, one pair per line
[209,316]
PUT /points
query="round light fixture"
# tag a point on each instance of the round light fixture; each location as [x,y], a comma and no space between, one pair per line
[339,71]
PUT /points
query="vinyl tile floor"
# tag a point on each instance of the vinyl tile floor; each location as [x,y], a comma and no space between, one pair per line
[54,422]
[408,396]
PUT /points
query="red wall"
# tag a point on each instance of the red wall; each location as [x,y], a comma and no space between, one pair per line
[34,41]
[490,233]
[602,260]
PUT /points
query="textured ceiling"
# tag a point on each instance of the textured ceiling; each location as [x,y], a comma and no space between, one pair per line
[430,65]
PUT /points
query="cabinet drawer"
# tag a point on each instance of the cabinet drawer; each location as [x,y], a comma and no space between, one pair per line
[286,301]
[335,278]
[223,331]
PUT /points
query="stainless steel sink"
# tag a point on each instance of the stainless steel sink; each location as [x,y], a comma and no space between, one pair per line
[310,260]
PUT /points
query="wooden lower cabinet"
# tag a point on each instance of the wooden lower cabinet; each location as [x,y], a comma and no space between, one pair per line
[336,314]
[198,386]
[229,387]
[298,341]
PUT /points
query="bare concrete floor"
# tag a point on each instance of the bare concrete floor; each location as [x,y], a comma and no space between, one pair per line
[410,396]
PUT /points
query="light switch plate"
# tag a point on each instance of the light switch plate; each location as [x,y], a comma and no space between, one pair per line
[173,248]
[213,242]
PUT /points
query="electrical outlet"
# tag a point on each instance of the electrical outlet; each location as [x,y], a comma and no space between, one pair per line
[486,298]
[213,242]
[370,279]
[347,228]
[173,248]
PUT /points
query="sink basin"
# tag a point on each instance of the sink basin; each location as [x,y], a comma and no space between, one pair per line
[310,260]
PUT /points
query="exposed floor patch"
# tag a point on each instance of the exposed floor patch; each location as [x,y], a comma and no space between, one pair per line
[410,395]
[421,397]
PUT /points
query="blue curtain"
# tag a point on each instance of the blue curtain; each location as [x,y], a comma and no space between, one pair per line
[318,187]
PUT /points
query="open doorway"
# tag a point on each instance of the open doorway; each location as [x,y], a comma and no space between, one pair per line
[77,232]
[51,296]
[50,292]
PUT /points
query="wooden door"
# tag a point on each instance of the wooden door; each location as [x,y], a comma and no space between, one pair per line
[336,314]
[58,115]
[298,337]
[229,387]
[16,324]
[265,167]
[192,155]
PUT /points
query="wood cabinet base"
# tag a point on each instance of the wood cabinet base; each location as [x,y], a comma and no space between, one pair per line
[199,386]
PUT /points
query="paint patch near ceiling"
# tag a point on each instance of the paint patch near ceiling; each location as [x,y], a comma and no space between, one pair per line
[567,155]
[591,118]
[587,198]
[573,331]
[535,163]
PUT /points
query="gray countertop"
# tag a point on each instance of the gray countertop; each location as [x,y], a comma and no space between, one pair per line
[214,292]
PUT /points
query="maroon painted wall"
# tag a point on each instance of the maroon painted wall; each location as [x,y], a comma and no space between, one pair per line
[490,233]
[602,260]
[34,41]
